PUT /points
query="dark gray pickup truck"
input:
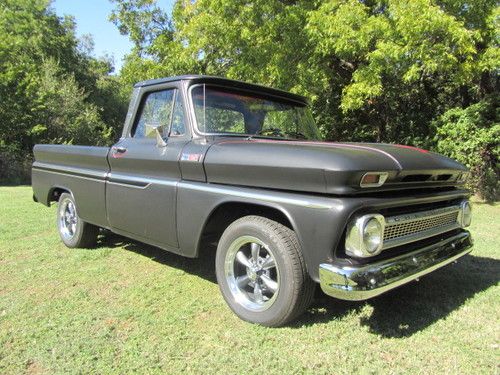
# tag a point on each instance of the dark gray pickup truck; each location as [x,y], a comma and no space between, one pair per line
[205,159]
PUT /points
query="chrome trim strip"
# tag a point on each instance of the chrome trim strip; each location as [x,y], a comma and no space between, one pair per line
[144,182]
[63,169]
[406,218]
[112,178]
[132,186]
[221,189]
[84,177]
[367,281]
[135,181]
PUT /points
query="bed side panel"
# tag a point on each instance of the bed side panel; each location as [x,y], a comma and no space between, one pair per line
[79,169]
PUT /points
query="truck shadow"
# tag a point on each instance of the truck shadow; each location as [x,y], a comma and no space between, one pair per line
[415,306]
[399,313]
[203,266]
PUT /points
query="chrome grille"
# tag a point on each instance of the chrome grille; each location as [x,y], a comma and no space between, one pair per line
[413,227]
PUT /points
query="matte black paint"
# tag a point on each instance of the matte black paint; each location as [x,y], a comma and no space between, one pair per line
[164,196]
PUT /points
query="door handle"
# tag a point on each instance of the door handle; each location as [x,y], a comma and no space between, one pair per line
[120,150]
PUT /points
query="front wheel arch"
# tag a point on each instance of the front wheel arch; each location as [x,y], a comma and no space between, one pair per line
[225,213]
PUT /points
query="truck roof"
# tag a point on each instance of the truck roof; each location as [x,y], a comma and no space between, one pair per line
[195,78]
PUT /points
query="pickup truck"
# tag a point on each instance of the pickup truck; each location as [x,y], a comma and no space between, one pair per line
[210,160]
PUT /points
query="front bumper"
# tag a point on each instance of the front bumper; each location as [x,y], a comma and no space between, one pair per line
[367,281]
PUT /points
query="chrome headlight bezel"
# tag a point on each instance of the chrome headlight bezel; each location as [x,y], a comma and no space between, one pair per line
[465,214]
[356,244]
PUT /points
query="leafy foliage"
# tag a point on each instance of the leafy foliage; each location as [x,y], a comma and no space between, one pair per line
[375,70]
[51,90]
[472,136]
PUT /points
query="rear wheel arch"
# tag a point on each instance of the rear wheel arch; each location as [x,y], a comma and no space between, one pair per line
[55,192]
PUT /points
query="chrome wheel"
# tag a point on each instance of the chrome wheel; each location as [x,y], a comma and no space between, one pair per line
[68,219]
[251,273]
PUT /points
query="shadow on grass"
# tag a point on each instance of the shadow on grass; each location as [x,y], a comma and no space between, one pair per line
[414,306]
[399,313]
[204,266]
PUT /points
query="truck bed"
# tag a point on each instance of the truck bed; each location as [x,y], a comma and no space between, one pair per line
[79,169]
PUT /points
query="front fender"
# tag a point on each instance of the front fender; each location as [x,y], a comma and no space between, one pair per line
[317,221]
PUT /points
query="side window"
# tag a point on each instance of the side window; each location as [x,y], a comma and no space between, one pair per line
[178,123]
[156,112]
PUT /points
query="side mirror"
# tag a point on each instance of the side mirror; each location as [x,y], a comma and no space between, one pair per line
[160,142]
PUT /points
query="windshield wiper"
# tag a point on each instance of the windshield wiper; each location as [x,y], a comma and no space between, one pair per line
[297,135]
[275,132]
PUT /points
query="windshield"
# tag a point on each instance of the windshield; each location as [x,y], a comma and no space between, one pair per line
[223,111]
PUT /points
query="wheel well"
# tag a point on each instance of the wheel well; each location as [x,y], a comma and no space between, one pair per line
[226,213]
[55,193]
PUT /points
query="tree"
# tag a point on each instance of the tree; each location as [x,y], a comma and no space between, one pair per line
[51,88]
[375,70]
[472,136]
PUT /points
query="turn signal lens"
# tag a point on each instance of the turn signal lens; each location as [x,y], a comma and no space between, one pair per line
[373,179]
[465,214]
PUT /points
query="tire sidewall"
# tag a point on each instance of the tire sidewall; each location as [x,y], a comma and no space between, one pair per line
[73,241]
[285,298]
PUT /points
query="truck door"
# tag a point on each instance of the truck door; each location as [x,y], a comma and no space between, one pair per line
[142,185]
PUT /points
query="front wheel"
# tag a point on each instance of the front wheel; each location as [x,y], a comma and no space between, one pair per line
[261,272]
[74,232]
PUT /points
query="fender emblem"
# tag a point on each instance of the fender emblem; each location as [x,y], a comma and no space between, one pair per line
[190,157]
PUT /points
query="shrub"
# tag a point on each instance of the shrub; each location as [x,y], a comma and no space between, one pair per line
[472,136]
[15,168]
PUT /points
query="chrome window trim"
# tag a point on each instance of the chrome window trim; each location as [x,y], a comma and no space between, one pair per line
[196,128]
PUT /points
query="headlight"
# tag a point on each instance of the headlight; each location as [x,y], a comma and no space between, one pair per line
[465,215]
[365,236]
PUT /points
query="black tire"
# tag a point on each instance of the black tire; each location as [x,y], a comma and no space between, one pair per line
[295,289]
[74,232]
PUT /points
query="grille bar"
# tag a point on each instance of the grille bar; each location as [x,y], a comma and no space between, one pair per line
[403,229]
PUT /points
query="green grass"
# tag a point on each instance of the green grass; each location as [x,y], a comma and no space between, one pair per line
[126,307]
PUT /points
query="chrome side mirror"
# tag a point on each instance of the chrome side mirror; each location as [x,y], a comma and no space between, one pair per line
[160,142]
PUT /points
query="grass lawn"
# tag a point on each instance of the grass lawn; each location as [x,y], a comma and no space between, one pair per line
[126,307]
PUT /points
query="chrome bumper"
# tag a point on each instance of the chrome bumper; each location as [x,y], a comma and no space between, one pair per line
[370,280]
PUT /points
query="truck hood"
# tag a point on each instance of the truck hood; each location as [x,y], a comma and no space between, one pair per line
[325,167]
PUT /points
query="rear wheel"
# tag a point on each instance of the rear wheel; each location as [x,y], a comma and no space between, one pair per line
[261,271]
[74,232]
